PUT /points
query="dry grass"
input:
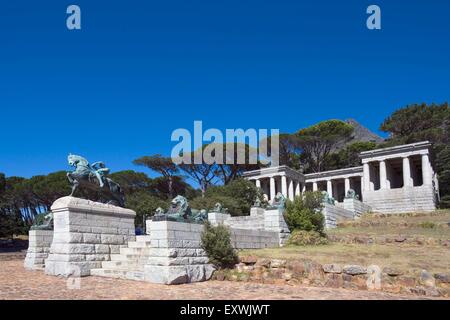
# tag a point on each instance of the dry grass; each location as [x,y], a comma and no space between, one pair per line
[418,225]
[431,258]
[405,256]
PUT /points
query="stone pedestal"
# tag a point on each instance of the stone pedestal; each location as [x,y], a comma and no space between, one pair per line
[85,234]
[274,221]
[39,242]
[356,206]
[257,212]
[216,218]
[176,256]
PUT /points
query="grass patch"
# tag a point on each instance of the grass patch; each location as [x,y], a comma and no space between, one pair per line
[428,225]
[407,256]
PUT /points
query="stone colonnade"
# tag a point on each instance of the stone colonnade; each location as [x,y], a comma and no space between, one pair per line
[397,171]
[278,179]
[336,183]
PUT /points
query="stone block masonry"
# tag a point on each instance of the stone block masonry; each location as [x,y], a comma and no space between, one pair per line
[356,206]
[254,239]
[176,256]
[401,200]
[262,227]
[85,234]
[172,254]
[334,214]
[274,221]
[38,249]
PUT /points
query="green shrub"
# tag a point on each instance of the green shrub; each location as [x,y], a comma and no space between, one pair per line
[144,204]
[305,238]
[208,203]
[11,225]
[216,241]
[428,225]
[40,218]
[238,196]
[305,212]
[445,202]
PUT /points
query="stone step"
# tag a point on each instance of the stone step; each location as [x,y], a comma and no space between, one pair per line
[124,265]
[129,257]
[143,238]
[129,263]
[118,274]
[139,244]
[135,251]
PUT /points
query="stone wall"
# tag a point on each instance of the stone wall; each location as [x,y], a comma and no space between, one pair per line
[357,277]
[241,238]
[216,218]
[356,206]
[262,225]
[407,199]
[257,212]
[176,255]
[246,222]
[334,214]
[85,234]
[253,239]
[251,222]
[39,242]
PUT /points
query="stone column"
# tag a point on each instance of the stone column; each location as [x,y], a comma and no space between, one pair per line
[366,177]
[297,188]
[284,186]
[291,189]
[304,188]
[383,175]
[258,183]
[265,185]
[315,187]
[272,188]
[347,185]
[330,188]
[390,177]
[407,177]
[427,175]
[373,175]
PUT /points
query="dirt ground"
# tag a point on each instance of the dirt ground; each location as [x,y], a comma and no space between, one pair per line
[18,283]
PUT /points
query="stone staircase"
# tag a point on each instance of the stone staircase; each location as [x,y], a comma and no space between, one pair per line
[129,263]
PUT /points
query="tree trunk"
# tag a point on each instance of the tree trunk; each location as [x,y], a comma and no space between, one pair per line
[171,186]
[203,187]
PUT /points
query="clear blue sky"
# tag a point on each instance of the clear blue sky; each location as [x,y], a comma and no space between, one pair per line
[137,70]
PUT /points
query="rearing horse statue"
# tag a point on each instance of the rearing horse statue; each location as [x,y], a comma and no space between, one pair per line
[94,177]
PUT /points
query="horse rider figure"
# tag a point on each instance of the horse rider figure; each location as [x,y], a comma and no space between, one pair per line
[100,171]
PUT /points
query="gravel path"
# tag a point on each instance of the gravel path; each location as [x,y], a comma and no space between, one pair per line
[18,283]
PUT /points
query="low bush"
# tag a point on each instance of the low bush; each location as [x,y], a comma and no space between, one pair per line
[306,238]
[305,212]
[428,225]
[216,241]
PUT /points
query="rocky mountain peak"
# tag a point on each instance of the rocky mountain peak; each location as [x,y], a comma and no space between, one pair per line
[363,134]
